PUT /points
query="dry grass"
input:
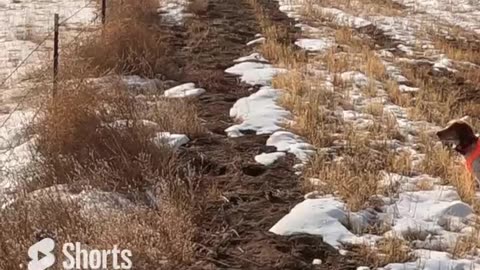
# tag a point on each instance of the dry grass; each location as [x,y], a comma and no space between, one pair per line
[400,163]
[458,50]
[466,245]
[387,250]
[425,185]
[336,62]
[131,42]
[77,146]
[347,36]
[73,132]
[312,9]
[355,176]
[373,65]
[395,95]
[434,103]
[375,109]
[441,162]
[165,234]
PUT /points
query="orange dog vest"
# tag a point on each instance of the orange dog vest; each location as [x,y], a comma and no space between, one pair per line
[472,157]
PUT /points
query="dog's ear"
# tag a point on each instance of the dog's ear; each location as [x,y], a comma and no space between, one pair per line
[465,131]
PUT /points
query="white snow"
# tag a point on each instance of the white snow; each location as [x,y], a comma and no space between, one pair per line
[434,260]
[174,140]
[184,90]
[258,112]
[324,216]
[268,159]
[292,143]
[173,11]
[254,73]
[138,84]
[252,57]
[24,25]
[317,45]
[256,41]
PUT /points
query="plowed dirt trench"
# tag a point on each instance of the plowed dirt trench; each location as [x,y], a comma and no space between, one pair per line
[234,230]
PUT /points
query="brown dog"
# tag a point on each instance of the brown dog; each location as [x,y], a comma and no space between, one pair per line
[460,134]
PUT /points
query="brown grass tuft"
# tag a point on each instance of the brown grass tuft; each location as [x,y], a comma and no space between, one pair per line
[387,250]
[131,42]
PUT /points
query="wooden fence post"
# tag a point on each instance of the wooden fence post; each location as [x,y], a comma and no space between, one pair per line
[55,54]
[104,11]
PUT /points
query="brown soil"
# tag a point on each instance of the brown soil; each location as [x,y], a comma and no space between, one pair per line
[234,230]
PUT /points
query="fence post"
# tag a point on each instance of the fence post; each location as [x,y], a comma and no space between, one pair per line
[55,54]
[104,11]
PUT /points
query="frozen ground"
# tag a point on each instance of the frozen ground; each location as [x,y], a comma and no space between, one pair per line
[437,213]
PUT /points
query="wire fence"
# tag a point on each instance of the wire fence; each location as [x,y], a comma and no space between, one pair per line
[28,42]
[31,39]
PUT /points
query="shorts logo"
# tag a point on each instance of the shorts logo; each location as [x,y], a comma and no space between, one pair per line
[44,249]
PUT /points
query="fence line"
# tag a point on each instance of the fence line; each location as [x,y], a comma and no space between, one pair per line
[56,49]
[42,42]
[23,62]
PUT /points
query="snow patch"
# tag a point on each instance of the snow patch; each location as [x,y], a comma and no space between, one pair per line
[254,73]
[258,112]
[292,143]
[256,41]
[173,140]
[268,159]
[184,90]
[317,45]
[252,57]
[324,216]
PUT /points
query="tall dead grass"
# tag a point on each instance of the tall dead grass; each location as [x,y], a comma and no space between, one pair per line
[131,42]
[442,162]
[97,137]
[388,250]
[160,238]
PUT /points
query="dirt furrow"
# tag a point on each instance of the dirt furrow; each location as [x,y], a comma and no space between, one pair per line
[251,198]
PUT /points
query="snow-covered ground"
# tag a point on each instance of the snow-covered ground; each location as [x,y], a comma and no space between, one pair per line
[437,213]
[26,43]
[24,25]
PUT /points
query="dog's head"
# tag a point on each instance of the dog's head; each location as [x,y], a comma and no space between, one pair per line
[459,134]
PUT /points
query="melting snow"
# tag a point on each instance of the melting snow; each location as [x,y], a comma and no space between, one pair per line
[252,57]
[184,90]
[258,112]
[292,143]
[268,159]
[254,73]
[256,41]
[173,10]
[324,217]
[174,140]
[318,45]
